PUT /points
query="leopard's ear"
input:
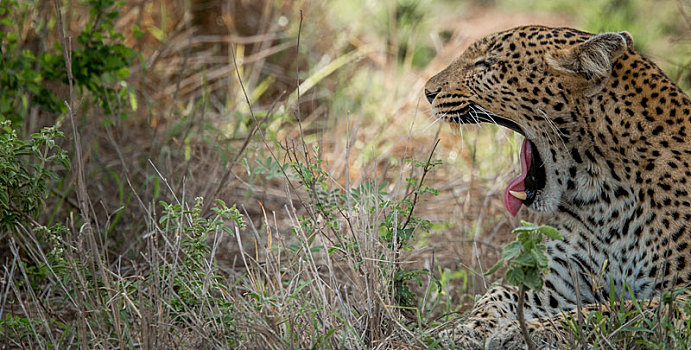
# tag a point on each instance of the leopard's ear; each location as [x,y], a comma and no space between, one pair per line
[592,60]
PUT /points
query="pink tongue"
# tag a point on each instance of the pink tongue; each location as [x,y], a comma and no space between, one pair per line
[512,203]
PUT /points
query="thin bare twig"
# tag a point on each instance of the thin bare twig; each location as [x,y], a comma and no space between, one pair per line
[425,170]
[297,90]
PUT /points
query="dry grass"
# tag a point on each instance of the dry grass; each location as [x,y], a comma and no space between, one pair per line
[231,106]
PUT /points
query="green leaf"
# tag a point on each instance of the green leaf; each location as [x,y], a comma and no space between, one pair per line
[526,259]
[496,267]
[515,276]
[533,280]
[526,226]
[133,99]
[187,148]
[122,73]
[540,258]
[637,329]
[256,296]
[511,250]
[157,33]
[526,229]
[136,32]
[300,288]
[550,232]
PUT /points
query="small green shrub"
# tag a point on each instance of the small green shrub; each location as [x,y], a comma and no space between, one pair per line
[401,224]
[395,224]
[100,64]
[196,282]
[17,329]
[526,256]
[527,264]
[23,72]
[26,169]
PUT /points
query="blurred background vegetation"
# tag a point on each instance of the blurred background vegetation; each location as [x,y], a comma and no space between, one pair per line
[306,118]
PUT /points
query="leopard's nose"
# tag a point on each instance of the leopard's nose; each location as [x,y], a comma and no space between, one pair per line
[431,94]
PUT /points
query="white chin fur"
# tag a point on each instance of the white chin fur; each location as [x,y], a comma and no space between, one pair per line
[546,201]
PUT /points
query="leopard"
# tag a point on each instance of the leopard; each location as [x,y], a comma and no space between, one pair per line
[605,159]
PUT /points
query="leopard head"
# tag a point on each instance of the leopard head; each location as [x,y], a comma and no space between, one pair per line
[533,80]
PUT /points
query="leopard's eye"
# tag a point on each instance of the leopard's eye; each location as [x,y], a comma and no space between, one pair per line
[484,62]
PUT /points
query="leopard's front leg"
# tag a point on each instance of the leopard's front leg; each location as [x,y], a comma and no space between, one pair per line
[494,319]
[494,309]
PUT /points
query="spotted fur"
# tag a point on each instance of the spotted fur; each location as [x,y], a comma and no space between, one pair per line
[613,133]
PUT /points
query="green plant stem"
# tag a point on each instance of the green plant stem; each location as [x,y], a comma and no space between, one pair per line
[521,319]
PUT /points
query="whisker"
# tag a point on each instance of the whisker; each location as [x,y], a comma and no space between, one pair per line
[460,129]
[491,115]
[554,128]
[435,120]
[474,115]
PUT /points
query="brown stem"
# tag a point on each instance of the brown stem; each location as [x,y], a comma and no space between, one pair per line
[425,170]
[521,319]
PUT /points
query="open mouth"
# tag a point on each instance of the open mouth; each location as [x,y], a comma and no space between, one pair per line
[523,188]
